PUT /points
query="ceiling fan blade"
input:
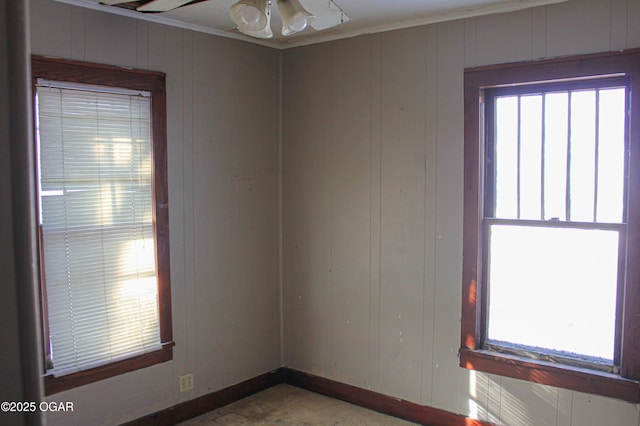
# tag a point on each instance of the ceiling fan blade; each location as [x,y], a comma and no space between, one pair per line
[327,14]
[112,2]
[162,5]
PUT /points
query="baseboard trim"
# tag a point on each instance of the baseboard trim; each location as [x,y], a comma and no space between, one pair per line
[195,407]
[375,401]
[384,404]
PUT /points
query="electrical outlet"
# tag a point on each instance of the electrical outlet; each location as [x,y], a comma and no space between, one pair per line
[185,382]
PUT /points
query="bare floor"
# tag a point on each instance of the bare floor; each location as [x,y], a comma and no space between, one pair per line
[288,406]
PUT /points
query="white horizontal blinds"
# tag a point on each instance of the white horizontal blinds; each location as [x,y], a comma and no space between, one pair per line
[97,221]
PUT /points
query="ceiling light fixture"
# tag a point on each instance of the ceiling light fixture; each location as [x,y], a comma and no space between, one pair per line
[253,17]
[294,17]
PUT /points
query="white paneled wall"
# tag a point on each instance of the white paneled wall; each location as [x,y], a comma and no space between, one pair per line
[373,197]
[223,208]
[372,159]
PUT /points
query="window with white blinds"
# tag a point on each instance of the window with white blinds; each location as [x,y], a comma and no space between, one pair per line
[98,251]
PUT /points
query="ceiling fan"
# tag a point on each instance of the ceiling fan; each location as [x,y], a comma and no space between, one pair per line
[253,17]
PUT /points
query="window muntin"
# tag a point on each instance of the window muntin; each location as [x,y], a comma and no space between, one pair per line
[556,161]
[153,250]
[558,155]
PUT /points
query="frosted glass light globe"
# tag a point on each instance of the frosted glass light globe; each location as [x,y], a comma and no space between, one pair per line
[298,25]
[250,15]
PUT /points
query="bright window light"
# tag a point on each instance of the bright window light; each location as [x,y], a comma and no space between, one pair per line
[554,288]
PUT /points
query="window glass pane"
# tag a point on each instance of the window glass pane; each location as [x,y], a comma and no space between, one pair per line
[556,115]
[611,155]
[583,148]
[553,288]
[506,153]
[530,156]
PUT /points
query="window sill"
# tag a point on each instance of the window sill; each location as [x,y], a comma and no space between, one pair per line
[547,373]
[53,384]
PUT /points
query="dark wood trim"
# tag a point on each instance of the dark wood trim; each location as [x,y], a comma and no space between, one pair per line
[476,82]
[54,384]
[58,69]
[630,351]
[195,407]
[563,68]
[161,210]
[547,373]
[352,394]
[389,405]
[44,298]
[472,226]
[560,86]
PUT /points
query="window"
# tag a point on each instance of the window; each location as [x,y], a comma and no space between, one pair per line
[103,220]
[551,291]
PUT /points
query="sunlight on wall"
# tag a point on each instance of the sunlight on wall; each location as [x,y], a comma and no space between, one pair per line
[484,401]
[474,407]
[548,394]
[515,412]
[502,401]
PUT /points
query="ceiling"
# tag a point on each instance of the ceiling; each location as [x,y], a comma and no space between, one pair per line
[366,16]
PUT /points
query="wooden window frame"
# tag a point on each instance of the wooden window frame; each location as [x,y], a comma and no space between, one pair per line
[155,83]
[473,353]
